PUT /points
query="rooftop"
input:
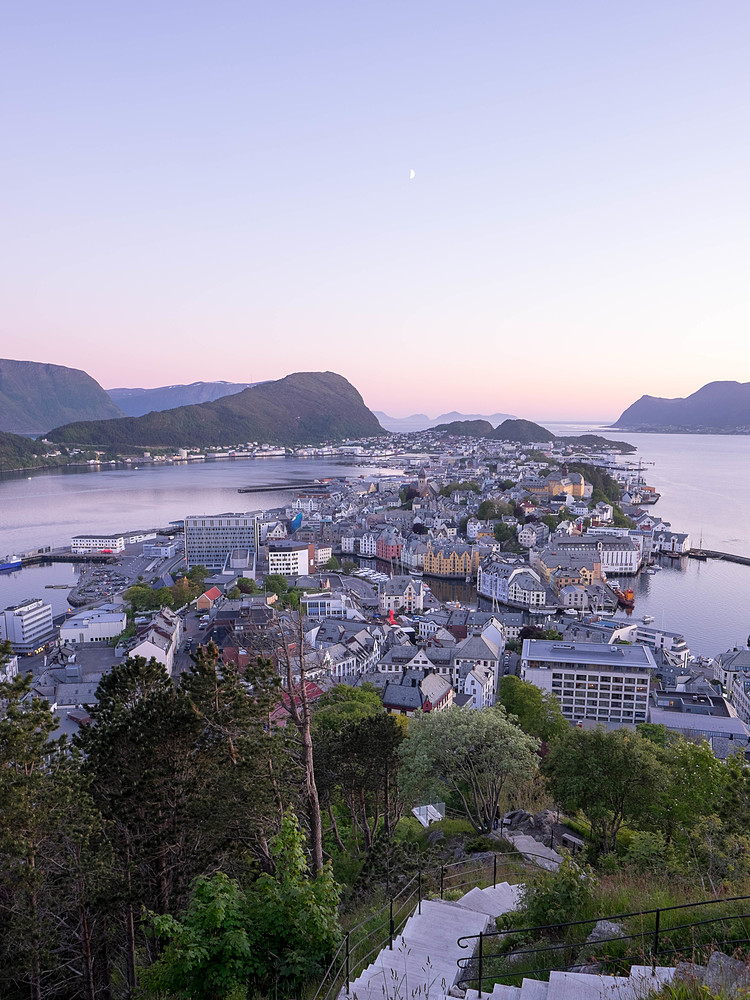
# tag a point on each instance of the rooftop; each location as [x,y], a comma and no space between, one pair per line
[539,652]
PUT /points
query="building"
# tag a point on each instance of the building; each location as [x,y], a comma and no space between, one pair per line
[159,550]
[603,683]
[700,717]
[417,690]
[208,599]
[401,592]
[27,626]
[96,625]
[451,559]
[510,583]
[388,545]
[328,605]
[291,558]
[83,544]
[210,538]
[159,639]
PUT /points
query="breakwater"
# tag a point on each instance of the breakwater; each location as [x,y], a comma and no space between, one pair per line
[726,556]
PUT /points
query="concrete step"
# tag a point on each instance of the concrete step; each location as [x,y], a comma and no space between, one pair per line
[499,992]
[644,980]
[583,986]
[534,989]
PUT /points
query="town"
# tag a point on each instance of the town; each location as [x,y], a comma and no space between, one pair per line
[478,560]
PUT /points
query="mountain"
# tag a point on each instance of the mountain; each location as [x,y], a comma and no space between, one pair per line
[718,406]
[136,402]
[306,407]
[523,431]
[36,396]
[421,422]
[466,428]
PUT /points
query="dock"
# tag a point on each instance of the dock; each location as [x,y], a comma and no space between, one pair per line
[712,554]
[276,488]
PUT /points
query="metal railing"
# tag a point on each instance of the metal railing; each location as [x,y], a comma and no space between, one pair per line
[381,928]
[494,959]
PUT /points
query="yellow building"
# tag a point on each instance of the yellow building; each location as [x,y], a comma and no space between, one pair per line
[451,560]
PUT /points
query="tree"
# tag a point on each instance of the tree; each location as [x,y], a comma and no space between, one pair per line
[234,594]
[538,712]
[474,756]
[270,935]
[333,564]
[348,566]
[610,776]
[504,532]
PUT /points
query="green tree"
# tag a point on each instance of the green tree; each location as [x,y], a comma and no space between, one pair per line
[271,935]
[538,712]
[348,566]
[610,776]
[333,564]
[474,756]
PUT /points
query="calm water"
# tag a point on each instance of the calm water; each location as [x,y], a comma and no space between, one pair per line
[48,508]
[704,481]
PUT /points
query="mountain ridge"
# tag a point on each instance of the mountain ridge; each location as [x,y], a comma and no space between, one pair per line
[721,406]
[301,408]
[421,422]
[35,396]
[137,402]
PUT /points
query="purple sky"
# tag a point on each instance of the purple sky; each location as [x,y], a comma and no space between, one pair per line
[221,191]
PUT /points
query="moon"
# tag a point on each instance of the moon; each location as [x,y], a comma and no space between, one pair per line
[412,175]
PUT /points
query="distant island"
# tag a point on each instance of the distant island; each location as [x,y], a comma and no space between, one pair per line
[716,408]
[421,422]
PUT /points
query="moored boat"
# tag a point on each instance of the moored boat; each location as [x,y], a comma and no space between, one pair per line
[10,563]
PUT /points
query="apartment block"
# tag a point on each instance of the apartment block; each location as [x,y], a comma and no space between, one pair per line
[210,538]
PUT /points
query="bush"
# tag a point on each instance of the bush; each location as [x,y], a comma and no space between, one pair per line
[477,845]
[556,897]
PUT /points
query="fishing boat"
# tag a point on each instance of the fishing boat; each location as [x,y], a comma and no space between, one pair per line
[625,598]
[10,563]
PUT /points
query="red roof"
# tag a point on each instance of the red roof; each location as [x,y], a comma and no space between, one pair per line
[212,594]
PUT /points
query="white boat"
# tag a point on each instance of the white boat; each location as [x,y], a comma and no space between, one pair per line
[651,571]
[647,619]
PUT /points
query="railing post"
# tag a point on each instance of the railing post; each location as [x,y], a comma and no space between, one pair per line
[655,947]
[442,875]
[481,963]
[391,927]
[347,963]
[419,910]
[494,870]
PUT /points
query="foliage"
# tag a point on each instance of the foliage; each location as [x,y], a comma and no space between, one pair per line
[348,566]
[333,564]
[493,510]
[504,532]
[472,755]
[538,712]
[610,776]
[464,486]
[144,598]
[247,586]
[276,932]
[555,898]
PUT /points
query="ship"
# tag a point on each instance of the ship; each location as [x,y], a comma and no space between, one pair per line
[625,598]
[10,563]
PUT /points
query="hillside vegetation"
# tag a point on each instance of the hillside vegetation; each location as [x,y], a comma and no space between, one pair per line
[35,397]
[717,406]
[306,407]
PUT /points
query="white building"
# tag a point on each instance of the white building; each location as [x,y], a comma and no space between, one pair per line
[27,626]
[596,681]
[291,558]
[209,538]
[82,544]
[159,550]
[401,592]
[328,605]
[510,584]
[159,639]
[95,625]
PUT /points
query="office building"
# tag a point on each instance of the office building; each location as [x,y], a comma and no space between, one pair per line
[210,538]
[27,626]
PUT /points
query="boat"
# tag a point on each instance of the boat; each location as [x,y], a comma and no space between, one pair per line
[10,563]
[647,619]
[650,570]
[625,598]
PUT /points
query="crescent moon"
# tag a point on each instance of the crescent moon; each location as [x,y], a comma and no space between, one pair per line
[412,175]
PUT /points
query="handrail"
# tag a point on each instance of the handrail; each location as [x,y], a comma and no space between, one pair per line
[473,969]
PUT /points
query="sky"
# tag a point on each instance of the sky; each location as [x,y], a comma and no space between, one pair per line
[221,191]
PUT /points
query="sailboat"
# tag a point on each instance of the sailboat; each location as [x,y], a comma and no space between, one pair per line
[698,553]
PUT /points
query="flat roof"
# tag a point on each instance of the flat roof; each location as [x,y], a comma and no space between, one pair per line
[603,656]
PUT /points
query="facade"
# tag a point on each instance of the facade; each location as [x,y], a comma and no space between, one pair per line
[291,558]
[328,605]
[159,639]
[401,592]
[97,625]
[510,583]
[388,545]
[159,550]
[603,683]
[27,626]
[417,690]
[82,544]
[210,538]
[451,559]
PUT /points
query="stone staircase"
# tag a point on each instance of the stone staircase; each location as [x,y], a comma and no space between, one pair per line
[423,961]
[582,986]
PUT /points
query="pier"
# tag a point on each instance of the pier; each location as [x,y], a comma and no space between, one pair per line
[66,556]
[313,487]
[726,556]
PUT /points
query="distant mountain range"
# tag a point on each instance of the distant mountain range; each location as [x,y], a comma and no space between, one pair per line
[36,396]
[718,407]
[136,402]
[306,407]
[421,422]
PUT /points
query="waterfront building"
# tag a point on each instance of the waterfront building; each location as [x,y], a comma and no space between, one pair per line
[27,626]
[83,544]
[603,683]
[210,538]
[96,625]
[451,559]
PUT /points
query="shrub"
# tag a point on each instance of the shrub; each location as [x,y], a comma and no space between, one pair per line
[556,897]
